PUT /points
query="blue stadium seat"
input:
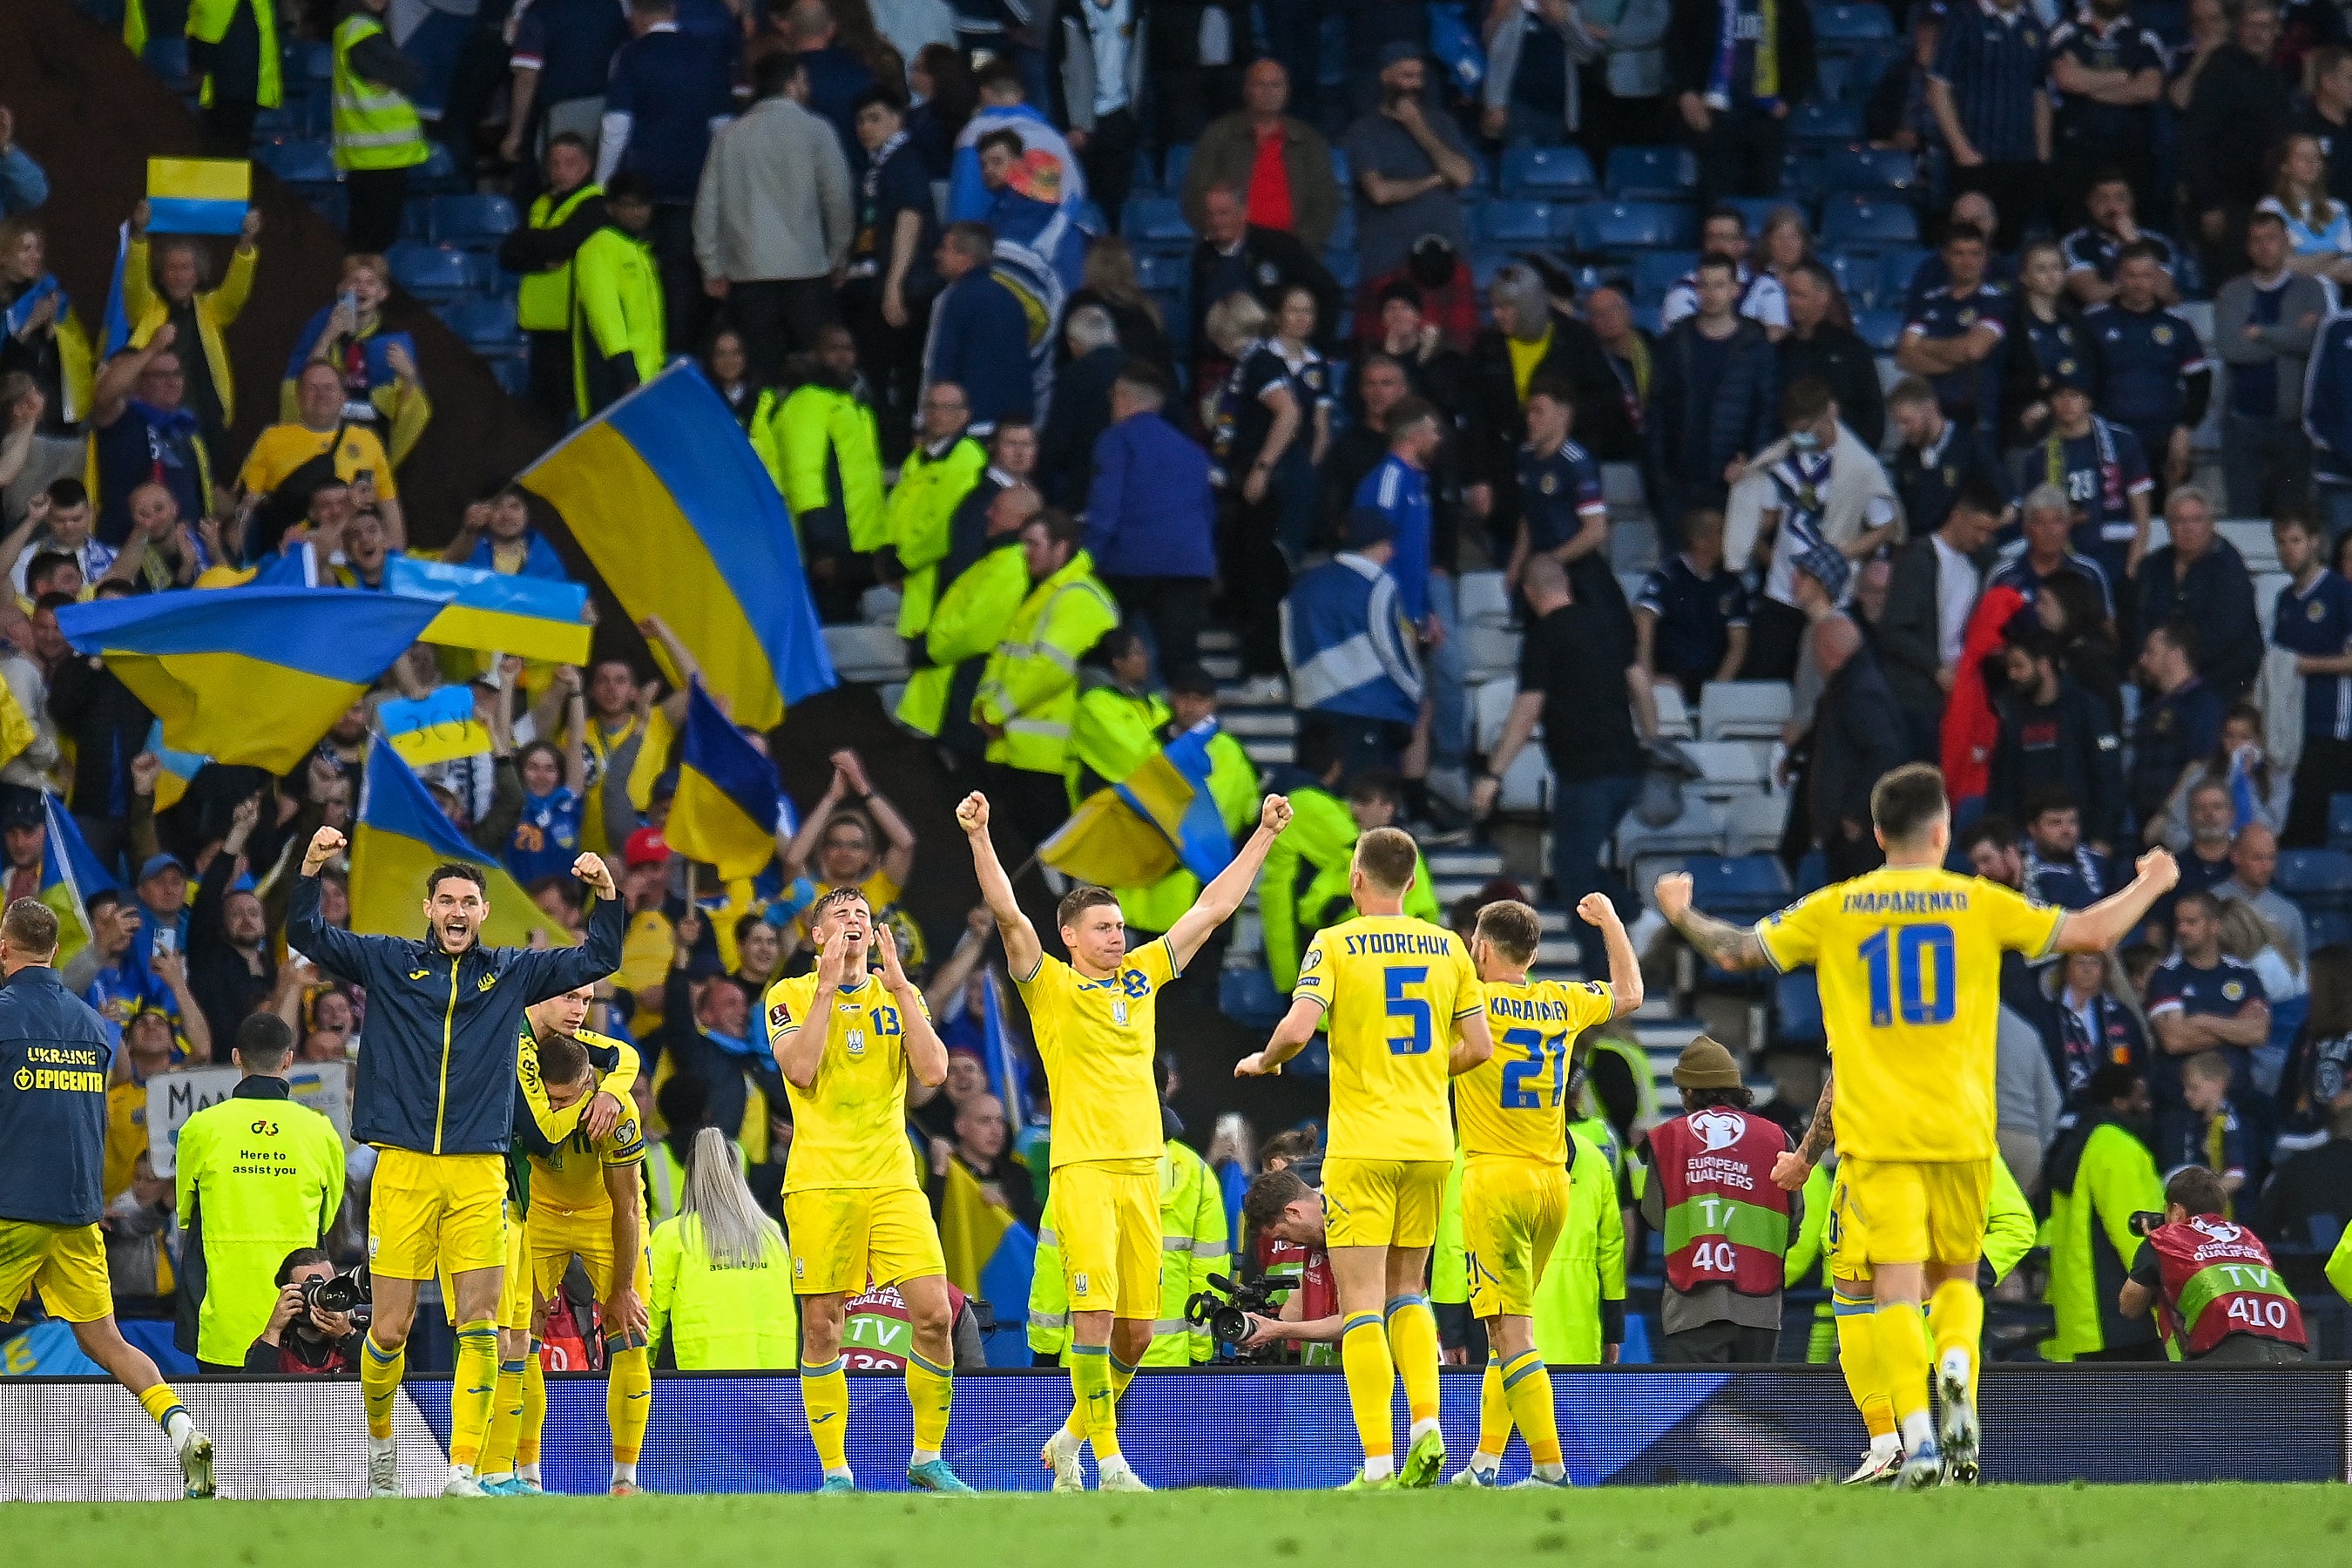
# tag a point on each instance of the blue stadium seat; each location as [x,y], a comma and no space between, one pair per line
[1345,267]
[1801,174]
[1155,220]
[1819,123]
[1655,271]
[1158,270]
[1634,226]
[474,222]
[435,272]
[2326,928]
[1829,74]
[1649,319]
[1343,233]
[1517,222]
[486,325]
[416,222]
[438,173]
[1861,24]
[513,373]
[1812,873]
[1896,268]
[1866,65]
[1857,276]
[299,162]
[1879,329]
[1554,172]
[1652,173]
[1484,262]
[1867,169]
[1342,171]
[2315,878]
[1748,885]
[1797,1009]
[1174,162]
[1870,226]
[2339,822]
[1757,210]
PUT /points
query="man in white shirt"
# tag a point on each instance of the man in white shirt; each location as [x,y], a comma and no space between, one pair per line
[1761,298]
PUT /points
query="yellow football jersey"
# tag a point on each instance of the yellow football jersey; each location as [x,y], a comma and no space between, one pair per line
[849,1128]
[1097,1038]
[1512,1102]
[1910,965]
[1391,988]
[571,1176]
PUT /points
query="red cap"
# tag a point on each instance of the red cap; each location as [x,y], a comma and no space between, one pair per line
[646,846]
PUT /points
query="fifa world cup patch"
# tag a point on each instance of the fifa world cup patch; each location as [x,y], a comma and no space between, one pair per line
[779,1018]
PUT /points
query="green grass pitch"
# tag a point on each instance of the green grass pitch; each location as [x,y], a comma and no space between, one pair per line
[1732,1527]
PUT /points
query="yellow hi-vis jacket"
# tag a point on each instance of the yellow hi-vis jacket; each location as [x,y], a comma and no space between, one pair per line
[967,623]
[920,521]
[822,448]
[257,1176]
[543,299]
[720,1319]
[376,126]
[1030,688]
[616,307]
[1192,1246]
[1588,1265]
[208,23]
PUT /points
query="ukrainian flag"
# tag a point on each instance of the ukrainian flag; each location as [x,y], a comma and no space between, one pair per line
[989,1254]
[180,768]
[197,196]
[1158,818]
[728,806]
[255,676]
[398,839]
[70,876]
[665,494]
[536,617]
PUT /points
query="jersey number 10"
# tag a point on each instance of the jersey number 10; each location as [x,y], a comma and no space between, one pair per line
[1915,968]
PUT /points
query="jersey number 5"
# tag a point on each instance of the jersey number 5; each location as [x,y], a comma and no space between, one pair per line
[1916,965]
[1414,1011]
[1516,1095]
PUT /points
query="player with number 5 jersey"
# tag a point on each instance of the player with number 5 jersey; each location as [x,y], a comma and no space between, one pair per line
[1512,1109]
[1406,1013]
[1908,959]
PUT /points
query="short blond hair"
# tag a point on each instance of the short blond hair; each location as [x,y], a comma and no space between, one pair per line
[1235,320]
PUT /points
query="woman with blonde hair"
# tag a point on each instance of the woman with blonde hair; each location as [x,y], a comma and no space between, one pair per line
[719,1279]
[2318,228]
[1111,281]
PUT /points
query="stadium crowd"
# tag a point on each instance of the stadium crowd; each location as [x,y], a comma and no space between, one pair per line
[1048,451]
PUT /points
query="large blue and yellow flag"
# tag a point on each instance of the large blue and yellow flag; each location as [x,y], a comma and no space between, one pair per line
[255,676]
[666,497]
[70,876]
[1158,818]
[197,196]
[400,837]
[729,806]
[180,768]
[536,617]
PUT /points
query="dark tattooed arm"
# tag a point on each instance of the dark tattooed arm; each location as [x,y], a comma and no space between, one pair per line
[1822,1133]
[1721,944]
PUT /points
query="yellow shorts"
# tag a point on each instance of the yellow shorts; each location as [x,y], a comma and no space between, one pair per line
[429,1212]
[1512,1214]
[1843,1240]
[843,1237]
[557,1236]
[514,1284]
[1107,1217]
[1383,1203]
[1924,1212]
[66,1263]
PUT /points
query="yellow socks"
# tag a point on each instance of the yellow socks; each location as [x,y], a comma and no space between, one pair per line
[1494,1417]
[380,1374]
[534,1414]
[931,1392]
[1413,1343]
[506,1420]
[470,1389]
[1097,1403]
[1903,1364]
[629,1403]
[163,1406]
[1372,1389]
[825,1396]
[1956,1318]
[1858,1357]
[1527,1387]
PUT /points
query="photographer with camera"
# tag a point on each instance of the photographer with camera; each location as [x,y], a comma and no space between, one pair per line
[258,1175]
[1281,1207]
[2216,1296]
[306,1336]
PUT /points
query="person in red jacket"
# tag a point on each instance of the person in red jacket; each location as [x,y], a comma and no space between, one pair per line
[1971,728]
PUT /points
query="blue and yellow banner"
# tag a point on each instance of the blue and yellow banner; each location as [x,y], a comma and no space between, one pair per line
[197,196]
[437,727]
[70,876]
[255,676]
[665,496]
[1158,818]
[400,836]
[536,617]
[728,806]
[180,768]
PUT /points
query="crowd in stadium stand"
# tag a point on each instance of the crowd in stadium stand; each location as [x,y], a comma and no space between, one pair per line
[1478,396]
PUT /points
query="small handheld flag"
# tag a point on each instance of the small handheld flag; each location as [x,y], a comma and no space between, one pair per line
[70,876]
[728,806]
[1158,818]
[198,195]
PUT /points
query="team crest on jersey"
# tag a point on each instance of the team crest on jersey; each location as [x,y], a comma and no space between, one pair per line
[2162,335]
[853,1041]
[1314,954]
[2215,1230]
[1548,483]
[2315,611]
[1718,1128]
[1079,1280]
[2233,991]
[486,983]
[1118,1011]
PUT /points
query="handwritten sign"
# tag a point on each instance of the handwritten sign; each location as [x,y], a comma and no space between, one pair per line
[174,1097]
[434,728]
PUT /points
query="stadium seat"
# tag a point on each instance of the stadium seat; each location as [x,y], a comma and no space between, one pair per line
[1743,710]
[1649,319]
[475,222]
[2327,929]
[1860,24]
[868,654]
[1173,164]
[1856,276]
[513,374]
[1484,262]
[1634,226]
[299,162]
[2254,542]
[1801,174]
[1865,66]
[1896,268]
[1515,222]
[1481,596]
[1797,1009]
[1155,220]
[1345,267]
[486,325]
[2339,822]
[1882,329]
[1726,768]
[1867,169]
[1825,123]
[438,173]
[2315,878]
[1655,271]
[1674,716]
[1341,170]
[1755,825]
[1830,73]
[437,272]
[1738,887]
[1343,233]
[1757,210]
[1867,225]
[1157,269]
[1652,173]
[1546,171]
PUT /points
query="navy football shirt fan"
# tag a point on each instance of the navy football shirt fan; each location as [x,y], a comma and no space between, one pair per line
[2154,379]
[2199,999]
[1954,335]
[2314,621]
[1690,621]
[2101,470]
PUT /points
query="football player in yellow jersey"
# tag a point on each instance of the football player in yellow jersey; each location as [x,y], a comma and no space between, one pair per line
[848,1041]
[1395,989]
[1908,959]
[1512,1109]
[1096,1019]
